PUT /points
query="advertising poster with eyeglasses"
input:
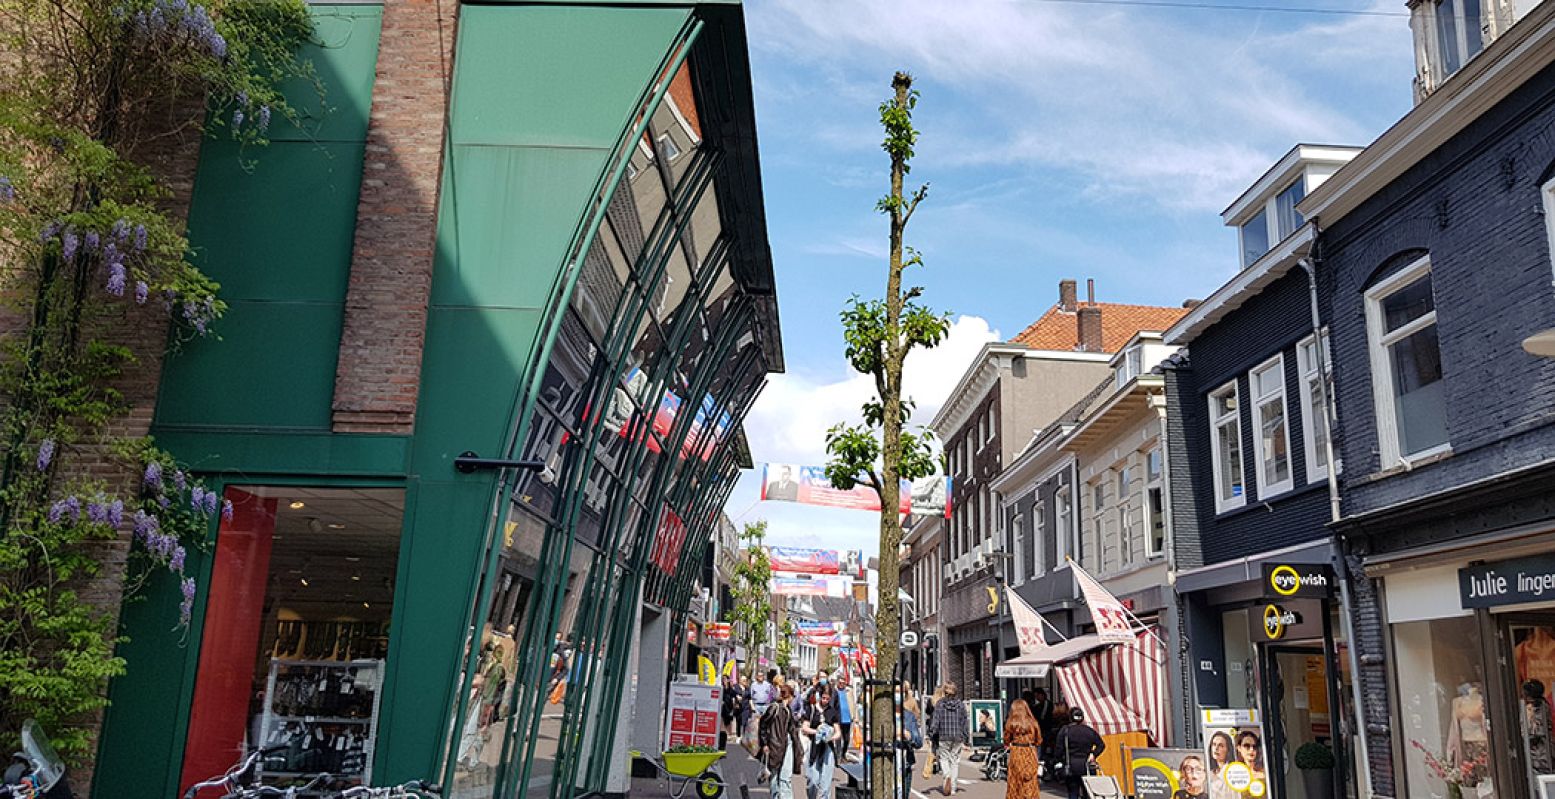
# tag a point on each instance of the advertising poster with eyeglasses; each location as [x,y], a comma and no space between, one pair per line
[1234,754]
[1163,773]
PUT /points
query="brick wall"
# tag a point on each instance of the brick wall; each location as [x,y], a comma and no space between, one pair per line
[391,268]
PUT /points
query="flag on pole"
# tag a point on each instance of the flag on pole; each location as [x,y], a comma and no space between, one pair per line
[1028,626]
[1107,613]
[707,671]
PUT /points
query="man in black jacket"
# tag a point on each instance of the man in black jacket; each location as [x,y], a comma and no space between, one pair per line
[1077,746]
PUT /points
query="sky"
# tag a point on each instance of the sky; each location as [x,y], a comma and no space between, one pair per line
[1060,139]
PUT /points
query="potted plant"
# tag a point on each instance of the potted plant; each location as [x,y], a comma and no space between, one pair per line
[1316,762]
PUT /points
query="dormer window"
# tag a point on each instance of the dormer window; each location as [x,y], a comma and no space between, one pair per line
[1130,365]
[1449,33]
[1285,213]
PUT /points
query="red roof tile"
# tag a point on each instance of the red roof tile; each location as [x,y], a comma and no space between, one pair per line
[1058,329]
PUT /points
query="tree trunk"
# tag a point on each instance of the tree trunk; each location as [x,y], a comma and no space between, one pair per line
[887,613]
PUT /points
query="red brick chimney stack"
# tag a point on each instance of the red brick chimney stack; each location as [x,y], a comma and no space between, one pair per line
[1066,300]
[1088,325]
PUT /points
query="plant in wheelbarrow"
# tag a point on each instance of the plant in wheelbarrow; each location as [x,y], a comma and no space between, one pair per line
[1316,762]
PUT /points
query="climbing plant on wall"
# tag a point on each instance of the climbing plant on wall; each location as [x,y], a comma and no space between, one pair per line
[90,251]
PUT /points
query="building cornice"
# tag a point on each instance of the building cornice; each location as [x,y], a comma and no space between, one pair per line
[1141,386]
[980,377]
[1525,49]
[1247,283]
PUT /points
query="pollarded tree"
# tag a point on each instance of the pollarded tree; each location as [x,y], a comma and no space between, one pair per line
[879,452]
[752,590]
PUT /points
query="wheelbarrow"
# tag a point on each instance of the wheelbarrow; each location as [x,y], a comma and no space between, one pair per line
[681,770]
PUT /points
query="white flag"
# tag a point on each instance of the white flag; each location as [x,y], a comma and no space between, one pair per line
[1107,613]
[1028,626]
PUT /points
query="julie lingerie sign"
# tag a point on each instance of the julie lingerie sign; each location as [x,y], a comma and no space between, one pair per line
[1508,582]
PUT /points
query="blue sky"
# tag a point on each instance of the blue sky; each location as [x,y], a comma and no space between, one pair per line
[1060,140]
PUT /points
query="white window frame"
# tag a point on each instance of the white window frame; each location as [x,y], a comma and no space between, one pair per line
[1018,548]
[668,146]
[1098,515]
[1063,525]
[1277,363]
[1125,475]
[1317,467]
[1547,194]
[1039,538]
[1382,374]
[1156,483]
[1223,504]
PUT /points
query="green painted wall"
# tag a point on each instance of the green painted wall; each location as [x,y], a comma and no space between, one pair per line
[274,225]
[535,115]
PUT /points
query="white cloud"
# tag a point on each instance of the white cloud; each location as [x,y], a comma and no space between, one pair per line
[789,421]
[1160,107]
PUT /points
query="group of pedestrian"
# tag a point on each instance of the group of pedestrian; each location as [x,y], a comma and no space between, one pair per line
[804,730]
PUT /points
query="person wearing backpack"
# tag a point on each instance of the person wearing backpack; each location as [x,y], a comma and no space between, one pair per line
[781,752]
[949,732]
[1077,746]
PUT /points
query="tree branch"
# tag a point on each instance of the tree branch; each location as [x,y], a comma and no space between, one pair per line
[912,205]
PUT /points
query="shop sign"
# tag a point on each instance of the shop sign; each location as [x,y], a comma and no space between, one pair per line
[1508,582]
[692,719]
[719,630]
[1234,751]
[667,542]
[1281,621]
[1160,773]
[1288,580]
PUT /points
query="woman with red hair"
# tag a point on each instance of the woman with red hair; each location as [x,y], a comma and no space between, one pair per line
[1022,736]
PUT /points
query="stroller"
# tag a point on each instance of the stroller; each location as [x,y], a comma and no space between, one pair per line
[996,763]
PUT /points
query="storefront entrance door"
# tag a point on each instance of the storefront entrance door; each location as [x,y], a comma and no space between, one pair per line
[1530,639]
[1298,712]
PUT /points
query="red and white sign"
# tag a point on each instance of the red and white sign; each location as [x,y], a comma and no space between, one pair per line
[718,630]
[1028,626]
[692,719]
[668,542]
[1112,620]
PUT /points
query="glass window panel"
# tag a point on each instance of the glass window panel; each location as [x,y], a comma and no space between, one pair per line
[1447,35]
[1276,449]
[1443,716]
[1153,464]
[301,590]
[1157,529]
[1285,207]
[1230,482]
[1318,421]
[1419,393]
[1407,304]
[1255,238]
[1225,403]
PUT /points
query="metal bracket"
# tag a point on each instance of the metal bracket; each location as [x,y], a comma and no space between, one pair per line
[468,462]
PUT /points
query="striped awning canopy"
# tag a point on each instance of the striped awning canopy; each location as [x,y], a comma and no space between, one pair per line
[1121,688]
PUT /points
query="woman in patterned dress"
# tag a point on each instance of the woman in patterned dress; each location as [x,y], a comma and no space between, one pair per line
[1023,736]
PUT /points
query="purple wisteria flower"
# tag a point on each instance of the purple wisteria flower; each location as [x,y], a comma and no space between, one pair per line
[153,476]
[96,512]
[263,118]
[49,231]
[180,480]
[57,512]
[90,241]
[186,608]
[121,229]
[145,526]
[73,507]
[111,252]
[164,502]
[140,237]
[237,118]
[226,510]
[176,561]
[241,97]
[116,279]
[7,191]
[116,512]
[141,290]
[45,454]
[68,244]
[210,502]
[197,499]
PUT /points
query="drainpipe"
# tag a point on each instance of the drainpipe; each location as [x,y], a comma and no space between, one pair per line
[1184,708]
[1330,417]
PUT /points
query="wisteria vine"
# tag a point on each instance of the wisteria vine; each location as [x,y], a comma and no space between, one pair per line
[91,254]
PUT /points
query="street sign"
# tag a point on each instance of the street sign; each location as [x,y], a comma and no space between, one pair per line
[909,639]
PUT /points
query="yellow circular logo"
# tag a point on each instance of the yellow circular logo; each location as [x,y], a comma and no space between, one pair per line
[1256,788]
[1274,620]
[1238,776]
[1285,581]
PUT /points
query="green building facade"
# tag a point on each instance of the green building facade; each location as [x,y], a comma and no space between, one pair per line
[601,313]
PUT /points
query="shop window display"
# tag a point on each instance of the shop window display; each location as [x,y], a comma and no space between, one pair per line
[1443,713]
[1533,653]
[296,632]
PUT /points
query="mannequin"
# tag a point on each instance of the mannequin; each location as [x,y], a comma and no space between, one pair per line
[1535,658]
[1467,740]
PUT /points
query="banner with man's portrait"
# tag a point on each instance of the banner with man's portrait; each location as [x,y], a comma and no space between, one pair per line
[808,485]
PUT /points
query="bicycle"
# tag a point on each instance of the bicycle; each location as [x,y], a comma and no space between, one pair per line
[238,782]
[415,789]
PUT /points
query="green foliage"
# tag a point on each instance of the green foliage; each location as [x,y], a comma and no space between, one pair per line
[88,91]
[785,646]
[1313,755]
[752,590]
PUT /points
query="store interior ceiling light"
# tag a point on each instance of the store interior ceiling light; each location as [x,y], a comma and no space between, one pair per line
[298,504]
[304,581]
[337,526]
